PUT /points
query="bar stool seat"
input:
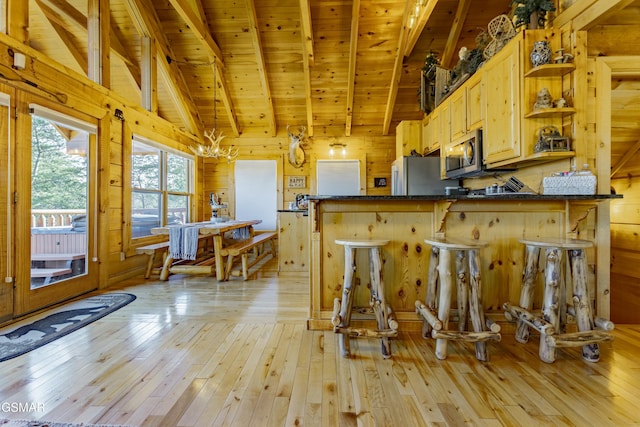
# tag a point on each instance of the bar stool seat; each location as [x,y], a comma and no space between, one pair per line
[387,326]
[552,320]
[435,311]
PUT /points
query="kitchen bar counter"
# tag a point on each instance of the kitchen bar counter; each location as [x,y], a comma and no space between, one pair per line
[500,220]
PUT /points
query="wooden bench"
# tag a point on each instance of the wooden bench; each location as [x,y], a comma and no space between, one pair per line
[49,273]
[243,247]
[204,260]
[152,250]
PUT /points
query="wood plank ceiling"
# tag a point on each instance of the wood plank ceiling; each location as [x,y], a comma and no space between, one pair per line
[354,64]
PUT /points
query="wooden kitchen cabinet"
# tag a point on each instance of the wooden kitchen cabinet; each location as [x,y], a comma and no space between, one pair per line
[511,85]
[293,241]
[475,108]
[408,137]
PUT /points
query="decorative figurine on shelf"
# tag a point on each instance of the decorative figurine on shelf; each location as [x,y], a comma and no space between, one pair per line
[541,53]
[560,103]
[562,58]
[543,99]
[549,139]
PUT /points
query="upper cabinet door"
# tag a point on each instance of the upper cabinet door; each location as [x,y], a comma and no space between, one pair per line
[501,83]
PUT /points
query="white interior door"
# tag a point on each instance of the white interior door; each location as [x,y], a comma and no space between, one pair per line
[256,192]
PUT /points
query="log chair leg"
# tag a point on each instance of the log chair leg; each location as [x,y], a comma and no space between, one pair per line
[475,303]
[550,308]
[164,274]
[378,301]
[432,288]
[245,265]
[347,298]
[529,276]
[582,302]
[444,301]
[462,288]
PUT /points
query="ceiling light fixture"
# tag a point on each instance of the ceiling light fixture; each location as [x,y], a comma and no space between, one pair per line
[338,145]
[214,150]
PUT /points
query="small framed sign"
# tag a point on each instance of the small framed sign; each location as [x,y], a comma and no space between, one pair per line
[297,182]
[380,182]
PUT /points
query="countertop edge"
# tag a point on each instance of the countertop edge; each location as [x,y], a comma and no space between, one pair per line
[501,197]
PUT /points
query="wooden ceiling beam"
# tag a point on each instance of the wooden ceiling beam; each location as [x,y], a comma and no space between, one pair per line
[60,9]
[586,14]
[450,53]
[307,30]
[262,69]
[351,76]
[418,26]
[625,158]
[146,22]
[65,37]
[397,70]
[198,28]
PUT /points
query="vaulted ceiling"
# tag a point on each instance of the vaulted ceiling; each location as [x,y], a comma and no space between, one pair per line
[352,64]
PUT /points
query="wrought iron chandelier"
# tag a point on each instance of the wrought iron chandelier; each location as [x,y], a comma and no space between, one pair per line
[214,150]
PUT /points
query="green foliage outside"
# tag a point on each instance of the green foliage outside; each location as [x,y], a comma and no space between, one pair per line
[58,180]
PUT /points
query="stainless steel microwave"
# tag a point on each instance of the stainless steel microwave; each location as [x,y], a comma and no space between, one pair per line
[463,159]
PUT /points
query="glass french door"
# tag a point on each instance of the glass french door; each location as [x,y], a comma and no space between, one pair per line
[56,181]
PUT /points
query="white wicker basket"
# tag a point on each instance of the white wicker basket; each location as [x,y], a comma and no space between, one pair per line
[576,184]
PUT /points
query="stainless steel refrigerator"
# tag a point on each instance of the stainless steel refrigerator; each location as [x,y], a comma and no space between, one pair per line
[418,176]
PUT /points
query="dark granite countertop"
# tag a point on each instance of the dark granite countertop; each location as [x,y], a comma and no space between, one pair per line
[303,211]
[501,197]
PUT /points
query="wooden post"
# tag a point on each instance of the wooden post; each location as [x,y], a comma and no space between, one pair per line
[444,301]
[529,276]
[378,301]
[462,286]
[475,303]
[582,302]
[550,307]
[347,298]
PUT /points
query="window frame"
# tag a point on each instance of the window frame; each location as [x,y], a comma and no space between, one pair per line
[163,191]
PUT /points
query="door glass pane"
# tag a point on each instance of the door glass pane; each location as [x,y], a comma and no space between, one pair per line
[59,200]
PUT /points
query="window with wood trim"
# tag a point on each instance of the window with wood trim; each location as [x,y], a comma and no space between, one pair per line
[161,187]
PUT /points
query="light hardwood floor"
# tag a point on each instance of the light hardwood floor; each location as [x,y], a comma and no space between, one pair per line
[194,352]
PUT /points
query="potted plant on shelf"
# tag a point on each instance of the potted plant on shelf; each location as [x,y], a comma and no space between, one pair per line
[532,13]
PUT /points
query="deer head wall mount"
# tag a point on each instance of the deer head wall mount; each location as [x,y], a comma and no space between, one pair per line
[296,153]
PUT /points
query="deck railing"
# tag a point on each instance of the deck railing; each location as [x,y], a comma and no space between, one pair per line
[53,217]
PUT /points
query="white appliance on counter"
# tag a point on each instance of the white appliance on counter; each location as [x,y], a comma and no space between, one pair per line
[418,176]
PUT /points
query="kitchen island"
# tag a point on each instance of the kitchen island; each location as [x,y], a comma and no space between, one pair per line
[500,220]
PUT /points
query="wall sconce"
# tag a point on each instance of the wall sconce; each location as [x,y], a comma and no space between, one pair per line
[338,146]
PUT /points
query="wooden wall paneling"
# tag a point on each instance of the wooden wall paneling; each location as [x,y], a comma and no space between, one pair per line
[6,211]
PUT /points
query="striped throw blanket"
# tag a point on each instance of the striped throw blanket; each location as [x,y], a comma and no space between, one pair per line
[183,241]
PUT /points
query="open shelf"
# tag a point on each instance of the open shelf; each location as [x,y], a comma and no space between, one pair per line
[550,112]
[550,70]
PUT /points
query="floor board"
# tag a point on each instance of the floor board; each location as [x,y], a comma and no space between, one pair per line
[194,352]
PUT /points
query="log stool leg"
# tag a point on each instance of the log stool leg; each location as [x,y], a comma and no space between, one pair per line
[462,289]
[347,298]
[582,302]
[475,303]
[444,300]
[529,276]
[551,303]
[432,290]
[378,301]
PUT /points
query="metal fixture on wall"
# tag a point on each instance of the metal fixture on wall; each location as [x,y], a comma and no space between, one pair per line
[214,150]
[338,146]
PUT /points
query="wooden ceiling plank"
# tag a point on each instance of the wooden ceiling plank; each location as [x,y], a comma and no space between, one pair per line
[307,30]
[421,22]
[67,39]
[625,158]
[262,69]
[597,12]
[59,9]
[351,76]
[397,71]
[146,21]
[449,53]
[200,31]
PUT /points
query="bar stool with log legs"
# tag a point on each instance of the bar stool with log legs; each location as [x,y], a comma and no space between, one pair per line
[553,319]
[341,319]
[469,297]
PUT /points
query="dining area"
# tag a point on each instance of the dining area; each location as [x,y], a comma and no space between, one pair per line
[211,248]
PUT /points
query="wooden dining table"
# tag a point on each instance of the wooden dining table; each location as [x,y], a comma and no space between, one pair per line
[216,230]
